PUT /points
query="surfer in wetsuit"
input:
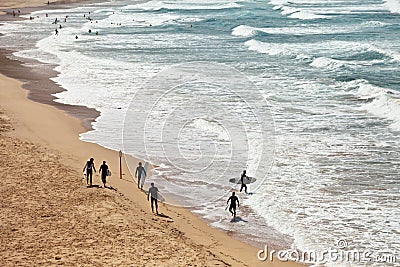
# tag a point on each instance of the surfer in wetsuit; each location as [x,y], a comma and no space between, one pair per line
[89,170]
[242,181]
[232,208]
[104,170]
[153,191]
[138,174]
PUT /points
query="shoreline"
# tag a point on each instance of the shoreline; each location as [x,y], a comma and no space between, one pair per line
[32,5]
[67,122]
[64,138]
[38,83]
[41,88]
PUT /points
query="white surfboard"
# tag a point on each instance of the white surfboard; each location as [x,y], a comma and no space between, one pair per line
[159,196]
[246,180]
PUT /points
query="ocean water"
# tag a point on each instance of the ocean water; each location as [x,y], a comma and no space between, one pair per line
[309,104]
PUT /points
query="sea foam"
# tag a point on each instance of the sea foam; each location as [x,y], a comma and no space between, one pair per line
[383,102]
[183,5]
[392,5]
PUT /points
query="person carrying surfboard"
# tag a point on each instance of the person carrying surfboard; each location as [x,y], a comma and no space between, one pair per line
[153,192]
[104,171]
[232,208]
[242,181]
[89,167]
[138,174]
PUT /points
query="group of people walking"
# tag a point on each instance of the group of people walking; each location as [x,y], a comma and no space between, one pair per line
[140,174]
[152,194]
[89,168]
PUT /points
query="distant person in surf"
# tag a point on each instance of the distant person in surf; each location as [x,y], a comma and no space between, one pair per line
[104,173]
[232,208]
[242,177]
[89,167]
[140,171]
[153,192]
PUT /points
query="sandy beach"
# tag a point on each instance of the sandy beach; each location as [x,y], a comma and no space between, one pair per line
[50,217]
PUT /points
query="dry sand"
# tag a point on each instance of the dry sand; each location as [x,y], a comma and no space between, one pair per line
[50,217]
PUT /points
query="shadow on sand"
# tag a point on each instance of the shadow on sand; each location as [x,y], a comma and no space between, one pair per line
[163,215]
[93,186]
[110,187]
[237,219]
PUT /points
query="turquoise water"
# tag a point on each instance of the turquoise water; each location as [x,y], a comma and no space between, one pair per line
[329,71]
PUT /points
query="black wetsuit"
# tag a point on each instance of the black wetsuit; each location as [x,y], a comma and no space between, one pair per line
[243,184]
[139,171]
[154,200]
[232,207]
[89,171]
[153,191]
[103,169]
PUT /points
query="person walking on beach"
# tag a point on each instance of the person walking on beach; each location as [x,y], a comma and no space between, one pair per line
[89,170]
[232,208]
[153,192]
[243,182]
[138,174]
[104,172]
